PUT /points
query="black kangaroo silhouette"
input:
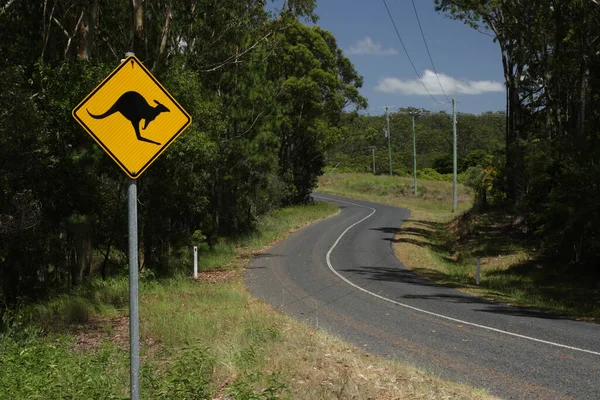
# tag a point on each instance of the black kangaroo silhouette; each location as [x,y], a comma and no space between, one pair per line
[135,108]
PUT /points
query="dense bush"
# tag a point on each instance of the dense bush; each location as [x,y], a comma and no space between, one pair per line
[551,62]
[266,94]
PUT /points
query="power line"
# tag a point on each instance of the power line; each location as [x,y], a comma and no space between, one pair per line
[427,47]
[407,55]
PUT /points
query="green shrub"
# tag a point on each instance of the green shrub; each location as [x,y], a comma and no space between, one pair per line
[47,369]
[474,179]
[15,326]
[187,377]
[243,388]
[486,183]
[430,174]
[77,310]
[477,158]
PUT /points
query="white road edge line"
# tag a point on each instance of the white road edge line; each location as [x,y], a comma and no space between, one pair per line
[489,328]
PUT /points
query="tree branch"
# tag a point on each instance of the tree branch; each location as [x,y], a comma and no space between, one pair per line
[165,32]
[9,4]
[47,29]
[233,59]
[74,33]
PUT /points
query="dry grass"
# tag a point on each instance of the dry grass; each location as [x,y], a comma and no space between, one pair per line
[248,337]
[322,367]
[91,335]
[210,339]
[446,251]
[433,196]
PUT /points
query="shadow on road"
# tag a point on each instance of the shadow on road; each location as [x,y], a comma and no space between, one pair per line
[394,274]
[391,274]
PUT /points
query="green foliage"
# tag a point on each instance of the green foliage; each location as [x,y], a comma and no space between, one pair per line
[318,82]
[244,388]
[484,133]
[474,179]
[46,369]
[552,140]
[187,377]
[16,327]
[95,296]
[78,310]
[430,174]
[484,178]
[445,164]
[476,158]
[266,94]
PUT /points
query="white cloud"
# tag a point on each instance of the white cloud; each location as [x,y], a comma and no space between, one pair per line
[451,85]
[367,46]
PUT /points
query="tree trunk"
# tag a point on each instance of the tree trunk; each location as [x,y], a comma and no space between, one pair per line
[513,134]
[165,33]
[513,112]
[137,27]
[86,31]
[582,101]
[82,255]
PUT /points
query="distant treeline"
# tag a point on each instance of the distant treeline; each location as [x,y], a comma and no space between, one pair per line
[266,93]
[481,140]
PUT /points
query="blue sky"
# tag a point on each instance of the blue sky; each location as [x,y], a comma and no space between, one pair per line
[468,62]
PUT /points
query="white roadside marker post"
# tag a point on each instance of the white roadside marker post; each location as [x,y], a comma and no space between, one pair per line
[195,262]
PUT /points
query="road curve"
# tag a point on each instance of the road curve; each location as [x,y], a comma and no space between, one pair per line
[342,275]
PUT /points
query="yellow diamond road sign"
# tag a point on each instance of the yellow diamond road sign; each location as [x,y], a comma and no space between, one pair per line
[132,117]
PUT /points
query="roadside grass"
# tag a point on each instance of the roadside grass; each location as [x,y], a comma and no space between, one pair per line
[254,349]
[511,271]
[108,297]
[232,253]
[443,247]
[434,197]
[206,339]
[97,297]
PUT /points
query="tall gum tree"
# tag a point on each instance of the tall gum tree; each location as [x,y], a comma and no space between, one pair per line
[501,19]
[317,83]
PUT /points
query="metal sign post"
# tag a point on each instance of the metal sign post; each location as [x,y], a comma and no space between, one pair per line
[131,91]
[134,318]
[134,315]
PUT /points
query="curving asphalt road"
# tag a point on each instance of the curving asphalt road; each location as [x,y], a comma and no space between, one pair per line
[342,275]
